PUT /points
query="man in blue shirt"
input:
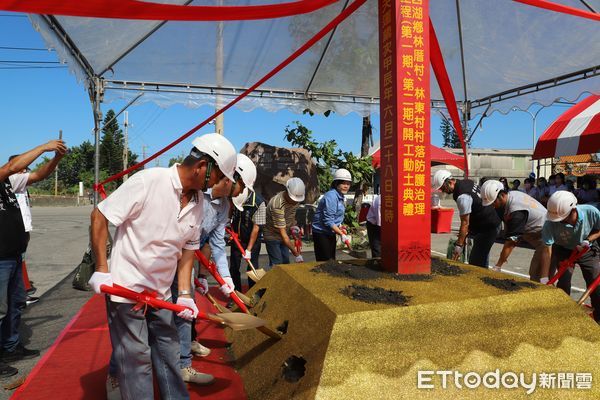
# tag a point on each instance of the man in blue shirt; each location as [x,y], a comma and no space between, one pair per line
[330,215]
[572,227]
[212,242]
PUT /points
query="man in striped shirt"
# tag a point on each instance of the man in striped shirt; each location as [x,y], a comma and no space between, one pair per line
[281,216]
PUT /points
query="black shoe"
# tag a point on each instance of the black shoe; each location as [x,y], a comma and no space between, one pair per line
[31,300]
[31,290]
[230,304]
[6,370]
[20,353]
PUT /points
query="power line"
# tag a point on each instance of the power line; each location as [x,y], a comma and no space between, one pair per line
[25,48]
[34,67]
[29,62]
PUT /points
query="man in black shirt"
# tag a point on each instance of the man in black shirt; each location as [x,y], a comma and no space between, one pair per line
[13,243]
[477,221]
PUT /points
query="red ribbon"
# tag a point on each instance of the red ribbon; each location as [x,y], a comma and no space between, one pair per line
[142,10]
[439,69]
[548,5]
[318,36]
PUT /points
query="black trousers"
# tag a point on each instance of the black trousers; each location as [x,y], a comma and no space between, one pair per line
[236,259]
[324,246]
[374,234]
[590,269]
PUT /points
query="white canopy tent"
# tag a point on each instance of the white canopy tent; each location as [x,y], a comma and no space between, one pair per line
[498,53]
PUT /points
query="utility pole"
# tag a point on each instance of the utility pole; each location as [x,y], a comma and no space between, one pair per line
[125,144]
[219,121]
[56,170]
[144,147]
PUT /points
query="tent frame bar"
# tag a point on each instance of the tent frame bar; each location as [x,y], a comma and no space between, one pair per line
[55,26]
[136,44]
[538,86]
[329,39]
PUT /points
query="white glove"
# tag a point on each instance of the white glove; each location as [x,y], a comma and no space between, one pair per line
[228,287]
[202,287]
[187,313]
[457,250]
[345,238]
[98,279]
[247,255]
[299,258]
[544,280]
[583,245]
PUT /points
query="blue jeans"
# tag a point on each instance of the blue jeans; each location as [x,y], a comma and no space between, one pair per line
[12,301]
[184,330]
[278,252]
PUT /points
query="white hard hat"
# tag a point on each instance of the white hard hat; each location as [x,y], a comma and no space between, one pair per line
[489,191]
[560,205]
[342,175]
[247,170]
[239,200]
[219,149]
[439,178]
[295,189]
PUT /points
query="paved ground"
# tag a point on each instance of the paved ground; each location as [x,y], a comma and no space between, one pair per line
[60,238]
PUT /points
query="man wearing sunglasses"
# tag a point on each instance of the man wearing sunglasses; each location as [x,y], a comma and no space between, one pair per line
[158,213]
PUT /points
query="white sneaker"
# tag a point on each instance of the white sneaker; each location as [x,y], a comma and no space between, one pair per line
[113,392]
[190,375]
[199,350]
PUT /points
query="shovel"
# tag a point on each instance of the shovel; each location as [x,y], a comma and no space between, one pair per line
[568,263]
[256,274]
[210,266]
[212,300]
[352,252]
[236,321]
[233,295]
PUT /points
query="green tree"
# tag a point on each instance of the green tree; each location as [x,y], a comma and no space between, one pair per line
[329,158]
[449,136]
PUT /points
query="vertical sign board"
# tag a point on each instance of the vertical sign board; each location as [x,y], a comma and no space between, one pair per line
[405,128]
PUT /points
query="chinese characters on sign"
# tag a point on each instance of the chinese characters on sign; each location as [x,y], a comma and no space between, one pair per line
[404,102]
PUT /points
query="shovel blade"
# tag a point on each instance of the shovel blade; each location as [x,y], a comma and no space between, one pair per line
[241,321]
[260,273]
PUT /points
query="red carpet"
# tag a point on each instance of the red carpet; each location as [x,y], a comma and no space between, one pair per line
[76,365]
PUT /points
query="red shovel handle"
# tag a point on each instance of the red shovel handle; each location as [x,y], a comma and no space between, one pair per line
[236,239]
[568,263]
[146,298]
[213,271]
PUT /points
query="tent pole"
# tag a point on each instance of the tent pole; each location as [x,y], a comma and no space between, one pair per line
[96,98]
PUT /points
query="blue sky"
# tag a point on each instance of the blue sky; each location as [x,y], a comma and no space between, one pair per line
[36,103]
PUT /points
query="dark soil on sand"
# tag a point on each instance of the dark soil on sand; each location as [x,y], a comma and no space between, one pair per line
[374,270]
[375,295]
[441,267]
[510,285]
[343,270]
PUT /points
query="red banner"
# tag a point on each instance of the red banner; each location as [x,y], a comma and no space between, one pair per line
[405,130]
[143,10]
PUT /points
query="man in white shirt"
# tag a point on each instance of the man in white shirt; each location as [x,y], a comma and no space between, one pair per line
[158,213]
